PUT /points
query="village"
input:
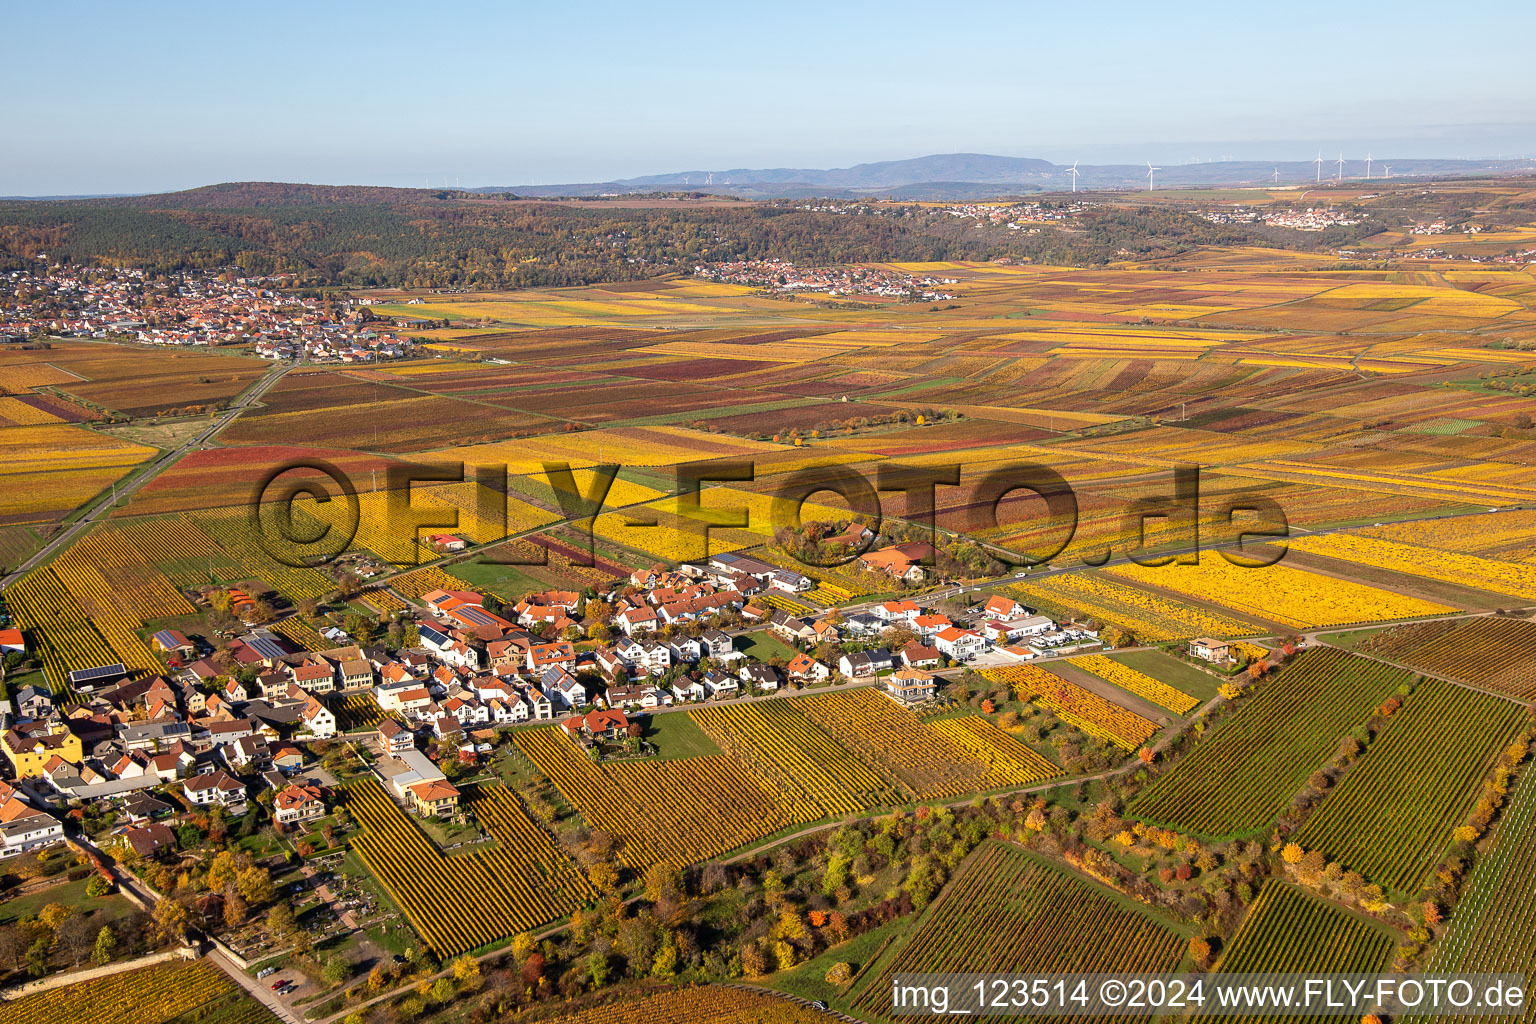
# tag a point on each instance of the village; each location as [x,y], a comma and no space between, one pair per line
[189,310]
[784,276]
[228,724]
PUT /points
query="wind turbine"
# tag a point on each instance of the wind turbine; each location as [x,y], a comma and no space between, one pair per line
[1341,166]
[1151,171]
[1389,171]
[1319,166]
[711,179]
[1073,171]
[1277,175]
[1367,166]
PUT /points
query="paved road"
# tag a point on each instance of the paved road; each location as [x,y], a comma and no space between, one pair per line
[259,990]
[145,474]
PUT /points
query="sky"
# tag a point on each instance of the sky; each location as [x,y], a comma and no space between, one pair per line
[108,97]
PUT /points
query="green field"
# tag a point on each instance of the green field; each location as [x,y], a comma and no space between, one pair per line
[1287,930]
[1241,777]
[1393,814]
[1006,910]
[763,646]
[1172,671]
[1496,916]
[675,736]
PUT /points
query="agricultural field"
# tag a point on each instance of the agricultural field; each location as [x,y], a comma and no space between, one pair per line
[714,1003]
[159,994]
[1078,707]
[1492,924]
[1137,682]
[1293,598]
[1392,815]
[1492,653]
[1005,910]
[925,759]
[461,901]
[1287,930]
[680,811]
[1241,776]
[1148,617]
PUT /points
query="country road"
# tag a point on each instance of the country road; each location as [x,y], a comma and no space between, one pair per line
[146,473]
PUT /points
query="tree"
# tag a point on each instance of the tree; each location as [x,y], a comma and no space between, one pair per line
[336,971]
[662,879]
[75,937]
[171,918]
[665,963]
[255,885]
[280,920]
[1292,853]
[598,969]
[442,990]
[839,973]
[106,946]
[1199,950]
[604,878]
[97,887]
[467,969]
[37,957]
[53,915]
[235,908]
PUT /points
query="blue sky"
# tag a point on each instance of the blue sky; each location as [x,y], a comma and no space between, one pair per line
[113,97]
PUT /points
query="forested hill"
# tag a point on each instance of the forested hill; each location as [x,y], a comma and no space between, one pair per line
[361,236]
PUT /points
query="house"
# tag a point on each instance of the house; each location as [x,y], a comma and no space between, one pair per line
[1000,607]
[446,542]
[959,644]
[764,678]
[806,669]
[916,655]
[826,632]
[288,759]
[928,625]
[688,688]
[318,720]
[216,788]
[684,648]
[435,798]
[610,724]
[543,656]
[150,840]
[910,685]
[249,755]
[717,643]
[903,561]
[30,746]
[624,696]
[33,702]
[853,536]
[141,807]
[721,685]
[12,640]
[171,641]
[637,620]
[294,803]
[865,664]
[234,691]
[1211,650]
[897,611]
[315,676]
[563,688]
[790,627]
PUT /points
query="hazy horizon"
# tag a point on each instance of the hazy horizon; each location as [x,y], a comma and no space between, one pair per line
[367,94]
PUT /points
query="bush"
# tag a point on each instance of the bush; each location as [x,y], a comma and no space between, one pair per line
[839,973]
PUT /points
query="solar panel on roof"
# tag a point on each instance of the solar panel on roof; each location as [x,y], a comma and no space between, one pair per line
[86,675]
[165,638]
[475,615]
[266,647]
[437,636]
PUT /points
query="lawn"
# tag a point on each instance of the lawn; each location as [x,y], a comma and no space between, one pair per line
[507,582]
[1172,671]
[809,980]
[676,735]
[763,646]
